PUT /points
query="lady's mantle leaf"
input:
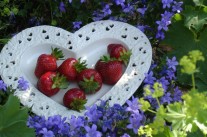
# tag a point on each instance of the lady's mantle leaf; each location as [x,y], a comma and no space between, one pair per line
[13,120]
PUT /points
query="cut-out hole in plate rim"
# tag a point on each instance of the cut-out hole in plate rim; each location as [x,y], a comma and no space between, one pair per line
[90,49]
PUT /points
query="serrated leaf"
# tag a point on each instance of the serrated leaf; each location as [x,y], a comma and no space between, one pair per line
[182,41]
[198,2]
[12,117]
[195,18]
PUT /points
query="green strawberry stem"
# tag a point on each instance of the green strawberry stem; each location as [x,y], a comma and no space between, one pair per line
[89,85]
[78,104]
[57,53]
[60,81]
[80,65]
[107,58]
[125,56]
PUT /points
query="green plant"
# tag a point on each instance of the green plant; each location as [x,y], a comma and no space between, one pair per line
[13,119]
[188,32]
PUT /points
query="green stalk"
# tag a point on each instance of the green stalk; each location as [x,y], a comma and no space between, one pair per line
[152,111]
[193,81]
[158,102]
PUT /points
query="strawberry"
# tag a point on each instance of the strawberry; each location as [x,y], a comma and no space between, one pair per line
[119,52]
[74,99]
[51,82]
[46,62]
[110,69]
[89,80]
[71,67]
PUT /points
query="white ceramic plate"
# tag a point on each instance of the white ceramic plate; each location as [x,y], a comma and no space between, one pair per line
[18,58]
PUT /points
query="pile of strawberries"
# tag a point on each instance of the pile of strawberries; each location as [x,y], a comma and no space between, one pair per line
[52,78]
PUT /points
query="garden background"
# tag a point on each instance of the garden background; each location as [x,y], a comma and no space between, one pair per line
[172,100]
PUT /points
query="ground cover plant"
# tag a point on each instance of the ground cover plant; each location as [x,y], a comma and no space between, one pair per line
[171,102]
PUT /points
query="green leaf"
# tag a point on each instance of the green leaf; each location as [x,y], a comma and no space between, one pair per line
[12,117]
[165,133]
[54,22]
[195,18]
[198,2]
[182,40]
[15,11]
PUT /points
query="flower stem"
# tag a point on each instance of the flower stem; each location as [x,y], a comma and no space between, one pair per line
[158,102]
[152,111]
[193,81]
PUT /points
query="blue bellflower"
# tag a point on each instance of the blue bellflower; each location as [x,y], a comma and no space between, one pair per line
[3,86]
[119,2]
[135,122]
[133,105]
[92,132]
[77,24]
[106,10]
[177,6]
[23,84]
[62,7]
[167,3]
[46,133]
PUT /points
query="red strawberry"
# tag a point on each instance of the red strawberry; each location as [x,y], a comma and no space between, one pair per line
[119,52]
[71,67]
[74,99]
[110,70]
[89,80]
[47,62]
[51,82]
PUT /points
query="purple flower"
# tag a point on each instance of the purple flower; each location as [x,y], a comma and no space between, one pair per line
[107,124]
[77,24]
[70,1]
[97,16]
[125,135]
[166,3]
[170,74]
[149,79]
[92,132]
[167,16]
[119,2]
[127,8]
[172,63]
[141,27]
[166,98]
[133,105]
[23,84]
[177,94]
[164,83]
[106,10]
[135,122]
[177,6]
[162,25]
[93,114]
[3,86]
[160,35]
[46,133]
[76,122]
[62,7]
[142,10]
[82,1]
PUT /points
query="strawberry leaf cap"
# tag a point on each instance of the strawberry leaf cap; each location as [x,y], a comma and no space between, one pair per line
[89,85]
[125,56]
[60,81]
[107,58]
[57,53]
[78,104]
[80,65]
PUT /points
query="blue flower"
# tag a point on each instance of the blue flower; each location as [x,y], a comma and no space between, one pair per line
[135,122]
[166,98]
[82,1]
[163,24]
[3,86]
[107,124]
[133,105]
[142,10]
[70,1]
[177,94]
[167,3]
[106,10]
[172,63]
[177,6]
[92,132]
[97,16]
[119,2]
[164,82]
[167,16]
[125,135]
[93,114]
[23,84]
[77,24]
[160,35]
[149,79]
[62,7]
[47,133]
[127,8]
[76,122]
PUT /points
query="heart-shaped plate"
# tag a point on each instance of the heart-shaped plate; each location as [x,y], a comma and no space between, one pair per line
[18,58]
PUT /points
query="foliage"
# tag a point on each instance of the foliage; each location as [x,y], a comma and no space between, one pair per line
[12,116]
[188,32]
